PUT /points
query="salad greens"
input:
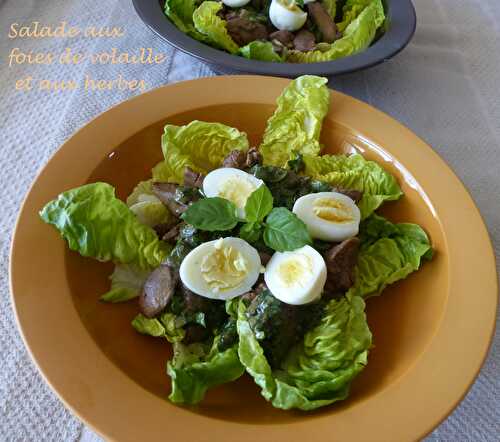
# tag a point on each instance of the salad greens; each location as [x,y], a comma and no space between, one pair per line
[142,192]
[301,356]
[358,33]
[199,145]
[260,50]
[181,13]
[294,128]
[318,370]
[97,224]
[166,326]
[352,10]
[193,370]
[295,125]
[281,31]
[354,172]
[389,252]
[194,367]
[208,23]
[126,283]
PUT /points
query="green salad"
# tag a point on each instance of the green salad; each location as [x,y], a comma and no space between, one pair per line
[296,31]
[246,259]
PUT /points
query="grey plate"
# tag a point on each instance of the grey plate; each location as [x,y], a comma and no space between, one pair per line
[400,27]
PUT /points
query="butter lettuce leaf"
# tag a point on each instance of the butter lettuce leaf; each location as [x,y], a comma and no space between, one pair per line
[126,283]
[165,326]
[295,126]
[389,252]
[180,12]
[354,172]
[194,370]
[260,50]
[200,145]
[151,213]
[319,370]
[196,367]
[351,10]
[98,225]
[357,36]
[142,192]
[148,209]
[208,23]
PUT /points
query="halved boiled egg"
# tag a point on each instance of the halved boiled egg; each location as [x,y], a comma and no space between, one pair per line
[232,184]
[296,277]
[329,216]
[286,15]
[221,269]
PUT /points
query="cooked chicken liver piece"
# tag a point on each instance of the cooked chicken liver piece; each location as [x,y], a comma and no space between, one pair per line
[173,233]
[235,158]
[165,192]
[264,258]
[340,262]
[192,178]
[249,296]
[253,157]
[323,21]
[243,30]
[157,291]
[163,228]
[284,37]
[304,41]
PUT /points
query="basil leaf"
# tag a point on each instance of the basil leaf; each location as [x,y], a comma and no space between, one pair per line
[259,204]
[284,231]
[251,232]
[211,214]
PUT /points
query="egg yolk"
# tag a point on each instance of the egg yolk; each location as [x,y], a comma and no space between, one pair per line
[291,5]
[237,190]
[332,210]
[295,270]
[224,267]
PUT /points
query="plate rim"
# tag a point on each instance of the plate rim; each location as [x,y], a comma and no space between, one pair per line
[83,411]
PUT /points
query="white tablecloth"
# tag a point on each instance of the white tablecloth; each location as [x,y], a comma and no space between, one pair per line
[444,86]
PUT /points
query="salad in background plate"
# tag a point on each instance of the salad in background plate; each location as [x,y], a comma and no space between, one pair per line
[297,31]
[251,259]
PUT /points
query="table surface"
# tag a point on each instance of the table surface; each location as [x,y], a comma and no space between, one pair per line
[444,86]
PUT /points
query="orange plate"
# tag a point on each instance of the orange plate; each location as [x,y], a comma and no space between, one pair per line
[431,331]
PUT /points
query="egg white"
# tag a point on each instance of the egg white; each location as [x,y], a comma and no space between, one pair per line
[235,3]
[296,277]
[192,277]
[328,230]
[286,15]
